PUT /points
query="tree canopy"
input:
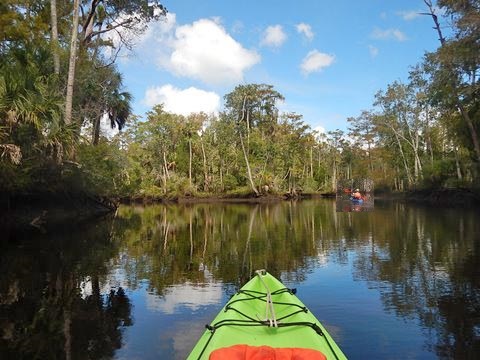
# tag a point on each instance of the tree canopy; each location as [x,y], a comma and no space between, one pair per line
[421,132]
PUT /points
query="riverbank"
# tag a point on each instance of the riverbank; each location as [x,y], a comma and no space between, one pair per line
[453,197]
[224,198]
[44,210]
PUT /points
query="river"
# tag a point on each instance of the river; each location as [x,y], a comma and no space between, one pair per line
[401,281]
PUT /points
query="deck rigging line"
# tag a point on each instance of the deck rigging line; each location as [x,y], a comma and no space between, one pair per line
[266,297]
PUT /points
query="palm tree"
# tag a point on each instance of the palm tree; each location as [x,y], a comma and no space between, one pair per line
[119,109]
[116,107]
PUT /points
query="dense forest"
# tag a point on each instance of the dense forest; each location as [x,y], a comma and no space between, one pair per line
[59,81]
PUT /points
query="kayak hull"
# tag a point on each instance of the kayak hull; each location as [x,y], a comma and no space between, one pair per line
[356,201]
[250,318]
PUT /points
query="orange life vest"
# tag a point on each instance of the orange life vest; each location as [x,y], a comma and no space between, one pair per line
[246,352]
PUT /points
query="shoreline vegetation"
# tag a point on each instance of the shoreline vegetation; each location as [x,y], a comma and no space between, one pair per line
[43,211]
[57,84]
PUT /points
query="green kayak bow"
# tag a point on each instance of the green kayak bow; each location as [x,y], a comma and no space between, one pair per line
[265,313]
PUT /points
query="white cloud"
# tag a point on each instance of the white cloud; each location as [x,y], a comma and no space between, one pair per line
[165,25]
[316,61]
[273,36]
[373,51]
[203,50]
[320,129]
[388,34]
[139,41]
[409,15]
[306,30]
[152,43]
[183,102]
[319,132]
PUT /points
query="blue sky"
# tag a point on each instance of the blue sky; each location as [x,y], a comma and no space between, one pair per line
[328,58]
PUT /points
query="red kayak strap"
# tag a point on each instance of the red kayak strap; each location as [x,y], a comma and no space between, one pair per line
[246,352]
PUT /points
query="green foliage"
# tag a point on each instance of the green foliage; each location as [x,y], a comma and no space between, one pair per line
[308,185]
[415,136]
[178,185]
[98,18]
[100,96]
[437,173]
[230,182]
[240,192]
[102,169]
[36,147]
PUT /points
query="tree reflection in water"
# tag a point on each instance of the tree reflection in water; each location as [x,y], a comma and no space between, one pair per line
[423,261]
[43,312]
[56,300]
[426,264]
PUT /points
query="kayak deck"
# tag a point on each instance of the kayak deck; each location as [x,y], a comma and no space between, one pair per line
[264,312]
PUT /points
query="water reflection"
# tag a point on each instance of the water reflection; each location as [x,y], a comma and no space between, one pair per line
[186,295]
[401,279]
[176,244]
[51,306]
[417,259]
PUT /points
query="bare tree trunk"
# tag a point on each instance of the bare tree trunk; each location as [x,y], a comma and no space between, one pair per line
[221,176]
[205,168]
[415,143]
[190,162]
[56,56]
[165,165]
[334,175]
[419,161]
[405,164]
[311,162]
[96,131]
[369,149]
[165,175]
[164,180]
[248,124]
[249,171]
[428,135]
[71,65]
[457,164]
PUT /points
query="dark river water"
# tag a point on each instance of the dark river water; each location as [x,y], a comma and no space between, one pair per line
[399,282]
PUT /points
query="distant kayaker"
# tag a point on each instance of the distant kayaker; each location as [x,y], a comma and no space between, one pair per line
[356,195]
